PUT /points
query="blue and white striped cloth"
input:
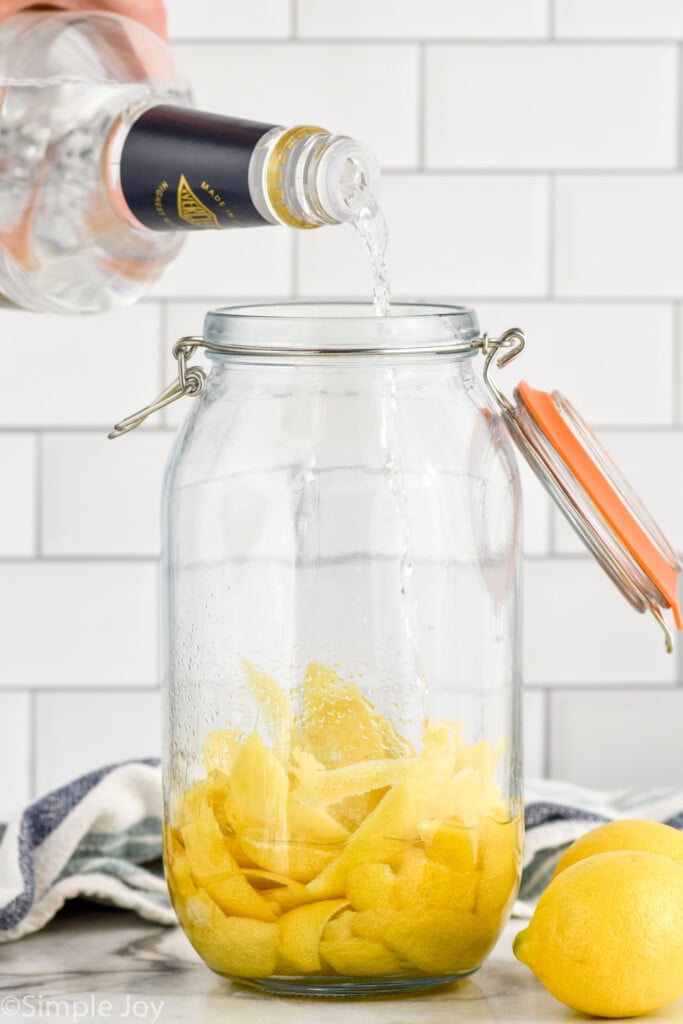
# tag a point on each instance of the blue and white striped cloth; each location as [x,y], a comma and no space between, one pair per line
[99,838]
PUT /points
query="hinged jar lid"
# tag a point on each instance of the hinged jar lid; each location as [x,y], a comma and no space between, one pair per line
[591,491]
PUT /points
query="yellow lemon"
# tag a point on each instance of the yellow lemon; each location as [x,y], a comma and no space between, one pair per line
[629,834]
[607,934]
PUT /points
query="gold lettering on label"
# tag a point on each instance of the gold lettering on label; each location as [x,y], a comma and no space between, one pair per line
[159,192]
[191,209]
[205,187]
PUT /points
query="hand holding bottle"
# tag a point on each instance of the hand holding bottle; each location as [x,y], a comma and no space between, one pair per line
[148,12]
[104,164]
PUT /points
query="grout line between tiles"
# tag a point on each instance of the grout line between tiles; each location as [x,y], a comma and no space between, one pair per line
[517,297]
[100,429]
[294,251]
[532,171]
[644,686]
[531,686]
[547,744]
[162,351]
[92,558]
[550,251]
[163,344]
[32,743]
[202,301]
[370,41]
[38,495]
[421,105]
[551,528]
[293,19]
[676,366]
[109,688]
[552,19]
[678,159]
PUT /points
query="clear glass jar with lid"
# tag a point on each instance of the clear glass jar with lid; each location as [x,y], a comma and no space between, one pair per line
[340,577]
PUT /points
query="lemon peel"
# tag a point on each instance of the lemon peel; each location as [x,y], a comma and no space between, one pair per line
[216,871]
[300,934]
[321,788]
[359,957]
[331,846]
[237,946]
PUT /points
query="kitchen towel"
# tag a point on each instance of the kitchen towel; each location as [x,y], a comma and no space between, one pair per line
[99,838]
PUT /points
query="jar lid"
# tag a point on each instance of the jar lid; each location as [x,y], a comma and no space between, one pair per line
[591,491]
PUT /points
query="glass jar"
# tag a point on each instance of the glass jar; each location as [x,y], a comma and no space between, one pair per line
[340,577]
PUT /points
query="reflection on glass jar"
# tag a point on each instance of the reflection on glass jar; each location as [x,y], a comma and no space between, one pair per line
[341,616]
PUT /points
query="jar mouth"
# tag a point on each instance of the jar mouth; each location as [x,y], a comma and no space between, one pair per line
[341,328]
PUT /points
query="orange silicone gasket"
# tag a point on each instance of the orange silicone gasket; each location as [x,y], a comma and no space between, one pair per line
[618,516]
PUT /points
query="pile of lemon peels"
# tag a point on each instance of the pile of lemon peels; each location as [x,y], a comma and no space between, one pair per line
[337,849]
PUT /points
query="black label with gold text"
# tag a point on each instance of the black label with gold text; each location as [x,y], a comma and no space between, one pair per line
[181,169]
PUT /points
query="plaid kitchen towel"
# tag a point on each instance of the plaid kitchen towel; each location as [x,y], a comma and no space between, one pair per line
[98,838]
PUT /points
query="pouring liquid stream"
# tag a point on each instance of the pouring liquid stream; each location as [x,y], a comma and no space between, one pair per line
[370,224]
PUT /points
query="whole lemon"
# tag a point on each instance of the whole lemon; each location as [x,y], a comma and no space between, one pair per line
[627,834]
[607,935]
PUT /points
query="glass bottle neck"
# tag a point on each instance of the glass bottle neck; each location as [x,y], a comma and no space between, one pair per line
[179,169]
[304,176]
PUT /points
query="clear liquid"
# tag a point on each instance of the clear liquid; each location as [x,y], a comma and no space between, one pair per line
[372,228]
[415,700]
[370,223]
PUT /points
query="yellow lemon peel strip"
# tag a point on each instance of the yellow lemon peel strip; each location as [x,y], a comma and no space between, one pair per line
[337,848]
[300,933]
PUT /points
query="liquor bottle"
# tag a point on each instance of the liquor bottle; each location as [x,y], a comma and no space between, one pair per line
[105,166]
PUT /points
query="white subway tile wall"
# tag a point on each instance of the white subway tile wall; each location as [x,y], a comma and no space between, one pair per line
[78,623]
[431,19]
[619,19]
[533,167]
[559,123]
[339,86]
[535,733]
[16,749]
[587,731]
[76,731]
[18,512]
[619,236]
[231,19]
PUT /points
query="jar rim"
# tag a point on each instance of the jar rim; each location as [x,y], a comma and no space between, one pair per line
[341,328]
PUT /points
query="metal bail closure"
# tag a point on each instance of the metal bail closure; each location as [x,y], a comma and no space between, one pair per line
[590,490]
[190,381]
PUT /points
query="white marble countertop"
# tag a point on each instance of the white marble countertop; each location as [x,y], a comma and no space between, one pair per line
[93,964]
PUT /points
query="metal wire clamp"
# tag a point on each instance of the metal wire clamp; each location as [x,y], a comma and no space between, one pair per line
[191,379]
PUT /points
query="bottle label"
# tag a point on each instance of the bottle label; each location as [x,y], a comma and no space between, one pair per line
[181,169]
